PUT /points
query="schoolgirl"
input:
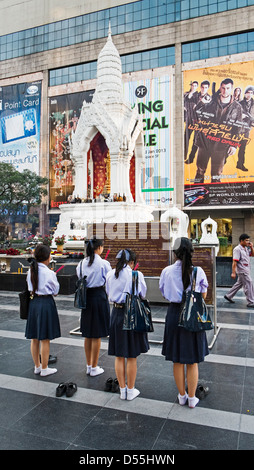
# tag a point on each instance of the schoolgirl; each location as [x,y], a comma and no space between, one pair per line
[124,344]
[180,346]
[94,323]
[43,321]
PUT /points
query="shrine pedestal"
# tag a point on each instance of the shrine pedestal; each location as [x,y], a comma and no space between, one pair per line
[79,215]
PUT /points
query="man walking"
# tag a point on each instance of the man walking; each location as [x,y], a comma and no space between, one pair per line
[241,266]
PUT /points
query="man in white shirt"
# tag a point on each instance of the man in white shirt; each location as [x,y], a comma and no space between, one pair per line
[241,267]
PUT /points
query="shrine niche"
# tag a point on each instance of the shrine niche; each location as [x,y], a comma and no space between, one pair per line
[98,170]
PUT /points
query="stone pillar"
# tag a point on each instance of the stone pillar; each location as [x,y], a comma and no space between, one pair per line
[139,163]
[115,176]
[81,177]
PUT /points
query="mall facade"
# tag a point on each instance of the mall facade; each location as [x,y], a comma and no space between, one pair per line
[187,64]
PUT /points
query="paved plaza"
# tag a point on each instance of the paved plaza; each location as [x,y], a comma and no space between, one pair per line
[33,418]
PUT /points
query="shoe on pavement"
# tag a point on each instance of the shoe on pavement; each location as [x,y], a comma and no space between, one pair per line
[228,299]
[47,371]
[96,371]
[251,305]
[132,393]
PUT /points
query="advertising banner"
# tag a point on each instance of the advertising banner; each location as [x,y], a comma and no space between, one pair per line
[20,114]
[219,135]
[154,99]
[64,114]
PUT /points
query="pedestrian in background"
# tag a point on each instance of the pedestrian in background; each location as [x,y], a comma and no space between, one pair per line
[95,318]
[241,268]
[125,345]
[180,346]
[43,321]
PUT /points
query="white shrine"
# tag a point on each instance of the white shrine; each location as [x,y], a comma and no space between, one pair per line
[107,149]
[178,223]
[209,234]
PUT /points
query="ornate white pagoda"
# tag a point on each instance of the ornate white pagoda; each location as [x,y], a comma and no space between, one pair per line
[107,149]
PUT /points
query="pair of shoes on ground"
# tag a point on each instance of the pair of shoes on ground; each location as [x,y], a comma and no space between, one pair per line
[69,388]
[128,393]
[111,385]
[93,371]
[44,372]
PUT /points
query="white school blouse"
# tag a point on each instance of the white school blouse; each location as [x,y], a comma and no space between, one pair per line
[171,284]
[96,273]
[117,288]
[47,281]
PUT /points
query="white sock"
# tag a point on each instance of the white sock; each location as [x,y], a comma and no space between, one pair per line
[37,370]
[96,371]
[123,393]
[132,393]
[182,398]
[47,371]
[88,369]
[192,402]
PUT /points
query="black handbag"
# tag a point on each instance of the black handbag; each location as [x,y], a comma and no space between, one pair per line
[80,292]
[137,311]
[24,299]
[194,314]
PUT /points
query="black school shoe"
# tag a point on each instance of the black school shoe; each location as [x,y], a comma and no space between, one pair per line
[52,359]
[61,389]
[201,391]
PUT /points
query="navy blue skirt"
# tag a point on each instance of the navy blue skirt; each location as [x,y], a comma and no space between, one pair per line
[43,321]
[94,321]
[128,344]
[180,345]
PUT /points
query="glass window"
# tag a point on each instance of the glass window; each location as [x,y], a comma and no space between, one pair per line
[124,18]
[185,4]
[185,15]
[212,9]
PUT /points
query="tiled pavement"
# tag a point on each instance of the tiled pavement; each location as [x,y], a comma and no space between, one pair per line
[32,418]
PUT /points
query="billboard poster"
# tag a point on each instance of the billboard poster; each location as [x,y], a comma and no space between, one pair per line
[20,115]
[154,100]
[64,113]
[219,135]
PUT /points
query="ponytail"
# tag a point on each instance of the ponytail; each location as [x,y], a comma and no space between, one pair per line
[183,250]
[124,257]
[41,253]
[91,246]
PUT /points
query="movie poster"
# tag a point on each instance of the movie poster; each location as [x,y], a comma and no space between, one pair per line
[154,100]
[20,115]
[64,111]
[219,135]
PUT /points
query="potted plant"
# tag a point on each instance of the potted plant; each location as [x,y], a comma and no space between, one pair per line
[59,241]
[47,240]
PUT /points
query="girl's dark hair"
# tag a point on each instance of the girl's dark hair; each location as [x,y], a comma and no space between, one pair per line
[91,246]
[41,253]
[183,250]
[124,259]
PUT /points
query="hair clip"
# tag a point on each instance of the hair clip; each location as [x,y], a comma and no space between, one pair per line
[120,253]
